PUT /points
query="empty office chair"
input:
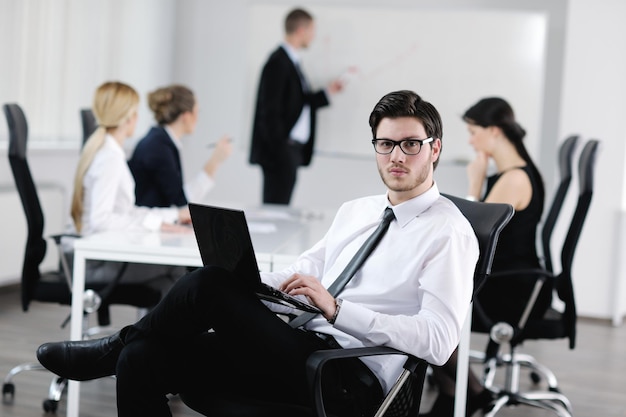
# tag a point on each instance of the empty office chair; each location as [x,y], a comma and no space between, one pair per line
[553,325]
[405,396]
[52,286]
[88,122]
[566,156]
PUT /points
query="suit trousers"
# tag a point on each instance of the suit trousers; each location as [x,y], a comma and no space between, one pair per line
[249,351]
[279,178]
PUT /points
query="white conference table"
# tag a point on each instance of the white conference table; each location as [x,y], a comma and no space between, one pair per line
[278,236]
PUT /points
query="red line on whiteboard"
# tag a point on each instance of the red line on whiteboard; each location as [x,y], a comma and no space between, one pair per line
[394,61]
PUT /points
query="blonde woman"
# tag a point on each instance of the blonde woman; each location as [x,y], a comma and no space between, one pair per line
[104,189]
[156,163]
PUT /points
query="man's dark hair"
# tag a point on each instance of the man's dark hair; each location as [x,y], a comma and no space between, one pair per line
[295,19]
[407,103]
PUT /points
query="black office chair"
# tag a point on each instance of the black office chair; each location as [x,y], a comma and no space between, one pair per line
[404,398]
[553,325]
[566,157]
[53,286]
[88,122]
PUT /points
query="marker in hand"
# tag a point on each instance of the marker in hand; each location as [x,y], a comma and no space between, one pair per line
[340,82]
[223,149]
[214,144]
[349,75]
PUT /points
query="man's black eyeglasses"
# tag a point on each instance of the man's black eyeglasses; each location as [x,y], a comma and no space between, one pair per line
[408,146]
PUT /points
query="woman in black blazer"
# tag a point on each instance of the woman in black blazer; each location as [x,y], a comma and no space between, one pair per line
[155,162]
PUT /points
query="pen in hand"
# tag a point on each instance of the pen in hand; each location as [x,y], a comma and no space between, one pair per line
[214,144]
[222,150]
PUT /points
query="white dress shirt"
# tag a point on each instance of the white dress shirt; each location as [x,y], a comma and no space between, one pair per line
[301,131]
[109,196]
[413,292]
[197,189]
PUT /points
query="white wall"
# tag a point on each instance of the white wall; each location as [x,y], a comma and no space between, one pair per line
[588,87]
[594,104]
[59,51]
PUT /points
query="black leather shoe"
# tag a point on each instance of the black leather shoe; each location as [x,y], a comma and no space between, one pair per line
[82,360]
[479,402]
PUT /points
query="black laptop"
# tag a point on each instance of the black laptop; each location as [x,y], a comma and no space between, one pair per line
[224,240]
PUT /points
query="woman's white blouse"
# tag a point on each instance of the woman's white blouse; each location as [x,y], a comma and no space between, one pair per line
[109,196]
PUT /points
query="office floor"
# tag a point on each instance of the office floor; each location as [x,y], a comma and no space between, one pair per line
[593,375]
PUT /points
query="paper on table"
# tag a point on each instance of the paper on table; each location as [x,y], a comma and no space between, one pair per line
[261,227]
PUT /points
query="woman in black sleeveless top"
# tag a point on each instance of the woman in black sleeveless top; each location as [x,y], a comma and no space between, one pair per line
[496,135]
[505,299]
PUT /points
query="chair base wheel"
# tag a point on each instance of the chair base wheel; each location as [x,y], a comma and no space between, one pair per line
[50,406]
[8,392]
[535,377]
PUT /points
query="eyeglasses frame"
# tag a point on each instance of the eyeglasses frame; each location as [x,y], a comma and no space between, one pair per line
[399,144]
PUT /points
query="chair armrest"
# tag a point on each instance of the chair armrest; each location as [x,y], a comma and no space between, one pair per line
[57,237]
[63,258]
[538,272]
[317,360]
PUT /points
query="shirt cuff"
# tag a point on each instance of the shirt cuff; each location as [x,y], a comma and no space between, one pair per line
[154,219]
[354,319]
[206,180]
[196,190]
[152,222]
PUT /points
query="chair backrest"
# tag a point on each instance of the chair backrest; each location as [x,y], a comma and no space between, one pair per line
[88,122]
[35,250]
[487,220]
[566,154]
[563,282]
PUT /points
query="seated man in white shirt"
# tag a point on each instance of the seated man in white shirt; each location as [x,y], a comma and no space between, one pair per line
[412,293]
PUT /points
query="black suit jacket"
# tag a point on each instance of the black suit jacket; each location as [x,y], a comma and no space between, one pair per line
[156,166]
[279,103]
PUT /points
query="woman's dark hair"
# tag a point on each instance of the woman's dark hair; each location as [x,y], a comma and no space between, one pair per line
[495,111]
[168,103]
[406,103]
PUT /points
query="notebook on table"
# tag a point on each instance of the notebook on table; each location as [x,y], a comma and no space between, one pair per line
[224,240]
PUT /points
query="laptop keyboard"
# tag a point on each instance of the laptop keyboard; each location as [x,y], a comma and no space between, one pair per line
[296,302]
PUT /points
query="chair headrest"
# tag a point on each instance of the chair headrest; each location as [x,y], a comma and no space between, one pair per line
[18,130]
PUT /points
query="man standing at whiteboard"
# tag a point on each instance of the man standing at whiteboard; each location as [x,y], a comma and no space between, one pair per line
[283,134]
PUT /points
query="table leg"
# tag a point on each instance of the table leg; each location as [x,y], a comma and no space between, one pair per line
[462,367]
[76,327]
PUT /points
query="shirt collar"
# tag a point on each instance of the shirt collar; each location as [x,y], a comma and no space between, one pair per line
[292,53]
[408,210]
[173,137]
[112,143]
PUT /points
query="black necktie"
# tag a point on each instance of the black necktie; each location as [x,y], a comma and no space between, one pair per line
[305,84]
[355,263]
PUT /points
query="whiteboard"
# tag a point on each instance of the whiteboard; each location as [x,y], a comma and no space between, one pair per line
[452,58]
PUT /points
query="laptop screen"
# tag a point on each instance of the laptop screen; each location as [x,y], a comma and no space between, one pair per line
[224,240]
